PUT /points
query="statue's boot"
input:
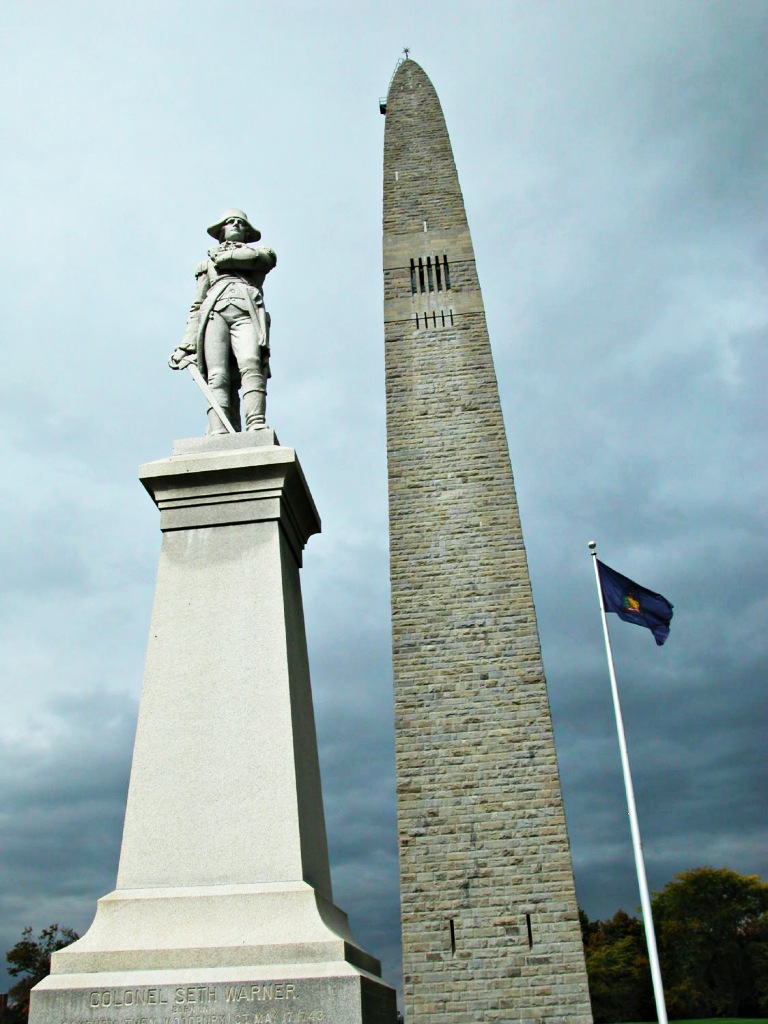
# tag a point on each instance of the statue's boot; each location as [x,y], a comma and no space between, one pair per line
[255,407]
[215,426]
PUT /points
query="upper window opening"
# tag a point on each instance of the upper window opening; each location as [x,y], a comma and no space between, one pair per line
[434,274]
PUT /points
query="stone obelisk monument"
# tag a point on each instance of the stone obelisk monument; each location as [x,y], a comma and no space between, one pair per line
[489,915]
[223,912]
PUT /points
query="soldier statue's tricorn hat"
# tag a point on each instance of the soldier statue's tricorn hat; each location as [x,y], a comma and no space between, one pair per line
[252,235]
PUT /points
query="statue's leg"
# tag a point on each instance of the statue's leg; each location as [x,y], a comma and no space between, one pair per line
[234,403]
[255,408]
[245,345]
[217,354]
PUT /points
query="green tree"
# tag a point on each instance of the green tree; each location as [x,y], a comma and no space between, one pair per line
[32,958]
[712,931]
[757,951]
[617,968]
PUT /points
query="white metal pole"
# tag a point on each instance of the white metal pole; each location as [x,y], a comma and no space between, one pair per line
[645,900]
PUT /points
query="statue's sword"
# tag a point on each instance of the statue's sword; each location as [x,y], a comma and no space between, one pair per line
[198,378]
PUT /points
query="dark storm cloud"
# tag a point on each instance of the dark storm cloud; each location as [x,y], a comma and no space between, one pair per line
[63,800]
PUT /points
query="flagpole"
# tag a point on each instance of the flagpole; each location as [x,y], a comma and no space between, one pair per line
[637,846]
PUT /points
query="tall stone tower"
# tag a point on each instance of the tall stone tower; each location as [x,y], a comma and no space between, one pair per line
[489,915]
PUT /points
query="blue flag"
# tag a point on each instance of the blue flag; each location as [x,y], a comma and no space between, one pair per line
[634,603]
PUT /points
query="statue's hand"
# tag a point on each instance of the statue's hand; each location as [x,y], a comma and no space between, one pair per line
[181,358]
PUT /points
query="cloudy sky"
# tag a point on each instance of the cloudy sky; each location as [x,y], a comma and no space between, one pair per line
[614,162]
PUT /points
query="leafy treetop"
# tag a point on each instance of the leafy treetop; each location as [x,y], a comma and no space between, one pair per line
[31,958]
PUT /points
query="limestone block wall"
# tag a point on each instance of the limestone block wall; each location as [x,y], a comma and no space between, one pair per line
[489,916]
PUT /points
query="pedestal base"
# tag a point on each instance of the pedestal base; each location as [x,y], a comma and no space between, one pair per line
[211,927]
[289,994]
[260,954]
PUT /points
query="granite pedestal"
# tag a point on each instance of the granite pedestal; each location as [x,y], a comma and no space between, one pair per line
[223,911]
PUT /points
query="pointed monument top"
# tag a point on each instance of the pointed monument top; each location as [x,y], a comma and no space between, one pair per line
[408,70]
[418,150]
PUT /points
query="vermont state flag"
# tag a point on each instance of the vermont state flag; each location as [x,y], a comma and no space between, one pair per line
[634,603]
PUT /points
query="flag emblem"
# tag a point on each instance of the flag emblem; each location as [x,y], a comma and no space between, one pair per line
[631,604]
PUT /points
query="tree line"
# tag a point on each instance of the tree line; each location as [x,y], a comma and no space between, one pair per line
[711,929]
[712,935]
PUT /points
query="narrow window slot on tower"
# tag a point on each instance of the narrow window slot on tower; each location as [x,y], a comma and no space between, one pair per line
[530,930]
[452,928]
[413,278]
[442,316]
[434,318]
[416,315]
[450,314]
[438,274]
[421,274]
[430,278]
[447,272]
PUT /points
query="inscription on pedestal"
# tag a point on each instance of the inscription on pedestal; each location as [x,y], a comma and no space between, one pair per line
[263,1002]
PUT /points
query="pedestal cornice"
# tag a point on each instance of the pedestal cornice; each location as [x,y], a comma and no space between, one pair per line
[233,484]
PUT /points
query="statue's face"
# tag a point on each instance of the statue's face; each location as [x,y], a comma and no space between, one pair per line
[234,230]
